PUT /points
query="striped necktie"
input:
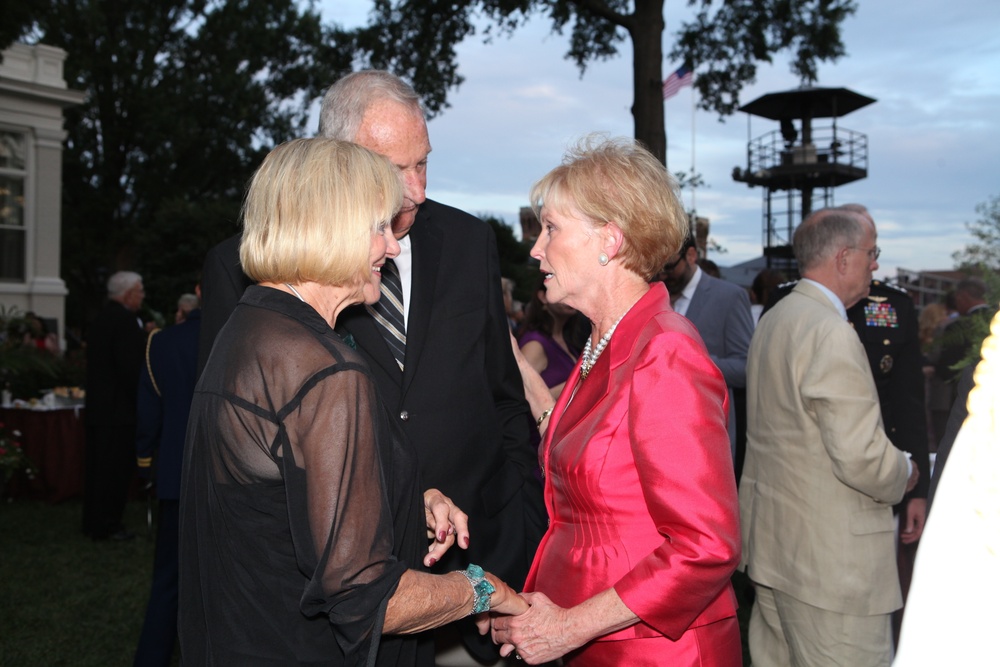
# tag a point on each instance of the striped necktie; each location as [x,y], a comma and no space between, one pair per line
[388,312]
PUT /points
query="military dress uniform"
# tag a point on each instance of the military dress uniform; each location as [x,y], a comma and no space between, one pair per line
[886,322]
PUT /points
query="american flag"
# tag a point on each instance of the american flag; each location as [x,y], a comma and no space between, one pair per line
[673,83]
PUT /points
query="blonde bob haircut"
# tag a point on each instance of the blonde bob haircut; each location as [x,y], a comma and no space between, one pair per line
[617,180]
[311,210]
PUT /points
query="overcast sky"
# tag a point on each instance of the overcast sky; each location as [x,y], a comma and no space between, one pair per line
[934,133]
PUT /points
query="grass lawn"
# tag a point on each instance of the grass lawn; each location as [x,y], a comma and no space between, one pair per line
[67,600]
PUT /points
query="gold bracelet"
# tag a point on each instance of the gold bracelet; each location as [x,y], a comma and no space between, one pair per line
[543,417]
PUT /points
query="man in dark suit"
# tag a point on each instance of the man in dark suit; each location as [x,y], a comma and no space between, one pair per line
[455,387]
[115,343]
[721,312]
[222,286]
[166,387]
[966,332]
[958,340]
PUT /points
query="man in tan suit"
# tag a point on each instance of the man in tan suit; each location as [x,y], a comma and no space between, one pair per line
[821,476]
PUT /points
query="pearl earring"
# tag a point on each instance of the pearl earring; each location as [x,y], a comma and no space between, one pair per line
[602,259]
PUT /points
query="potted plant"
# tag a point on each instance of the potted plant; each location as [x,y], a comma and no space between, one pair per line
[24,368]
[13,460]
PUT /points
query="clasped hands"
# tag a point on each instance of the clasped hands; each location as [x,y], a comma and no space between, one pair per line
[529,624]
[534,629]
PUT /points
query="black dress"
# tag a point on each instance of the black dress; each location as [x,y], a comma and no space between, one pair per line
[299,502]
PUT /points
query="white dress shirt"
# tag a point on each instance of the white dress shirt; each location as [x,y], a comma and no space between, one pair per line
[684,300]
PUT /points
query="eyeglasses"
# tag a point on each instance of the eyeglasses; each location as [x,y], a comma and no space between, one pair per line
[670,266]
[873,253]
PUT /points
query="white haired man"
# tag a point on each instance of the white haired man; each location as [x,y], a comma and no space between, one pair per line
[115,343]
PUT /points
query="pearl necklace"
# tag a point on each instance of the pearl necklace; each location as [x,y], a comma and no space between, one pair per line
[590,358]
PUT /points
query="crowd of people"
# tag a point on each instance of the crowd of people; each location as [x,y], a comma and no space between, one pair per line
[357,438]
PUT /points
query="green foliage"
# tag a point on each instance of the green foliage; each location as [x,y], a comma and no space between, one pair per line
[974,330]
[515,262]
[184,98]
[417,41]
[984,252]
[725,42]
[981,258]
[972,335]
[13,460]
[692,180]
[24,369]
[18,16]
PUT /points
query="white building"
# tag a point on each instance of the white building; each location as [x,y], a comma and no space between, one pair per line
[33,95]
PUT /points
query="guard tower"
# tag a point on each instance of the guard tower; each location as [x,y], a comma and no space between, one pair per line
[801,163]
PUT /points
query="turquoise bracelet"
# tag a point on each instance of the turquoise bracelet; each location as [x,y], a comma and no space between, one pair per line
[481,588]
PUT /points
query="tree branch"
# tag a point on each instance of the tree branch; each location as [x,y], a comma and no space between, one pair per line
[601,9]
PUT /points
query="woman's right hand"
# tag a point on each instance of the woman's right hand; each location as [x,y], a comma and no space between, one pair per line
[518,355]
[446,525]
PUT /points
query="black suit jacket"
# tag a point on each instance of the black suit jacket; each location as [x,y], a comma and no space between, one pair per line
[222,285]
[115,346]
[959,337]
[959,411]
[460,401]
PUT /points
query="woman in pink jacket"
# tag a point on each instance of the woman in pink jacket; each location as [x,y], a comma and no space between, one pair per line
[644,529]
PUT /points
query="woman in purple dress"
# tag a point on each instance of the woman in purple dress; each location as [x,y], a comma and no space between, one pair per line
[546,341]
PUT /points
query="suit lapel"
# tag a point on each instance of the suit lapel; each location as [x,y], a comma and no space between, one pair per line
[427,240]
[698,299]
[591,392]
[573,407]
[359,324]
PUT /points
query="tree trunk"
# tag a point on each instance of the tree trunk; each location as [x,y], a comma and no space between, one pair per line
[646,30]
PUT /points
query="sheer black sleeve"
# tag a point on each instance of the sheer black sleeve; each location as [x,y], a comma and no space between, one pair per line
[338,507]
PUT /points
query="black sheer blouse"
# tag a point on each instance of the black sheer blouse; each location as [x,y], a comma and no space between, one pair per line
[299,504]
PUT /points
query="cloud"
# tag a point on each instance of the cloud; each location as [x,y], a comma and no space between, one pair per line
[934,133]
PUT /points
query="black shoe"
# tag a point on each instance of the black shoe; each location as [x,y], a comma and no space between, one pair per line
[122,535]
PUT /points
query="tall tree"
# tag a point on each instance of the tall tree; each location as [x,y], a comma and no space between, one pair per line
[723,44]
[983,254]
[184,97]
[515,261]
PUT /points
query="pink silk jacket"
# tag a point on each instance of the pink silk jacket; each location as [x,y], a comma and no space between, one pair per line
[639,484]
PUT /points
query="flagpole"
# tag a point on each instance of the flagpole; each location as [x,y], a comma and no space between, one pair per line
[694,185]
[666,138]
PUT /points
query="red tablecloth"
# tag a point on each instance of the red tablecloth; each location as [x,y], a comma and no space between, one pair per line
[54,441]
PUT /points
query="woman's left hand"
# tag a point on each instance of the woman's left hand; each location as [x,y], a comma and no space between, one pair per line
[445,524]
[543,633]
